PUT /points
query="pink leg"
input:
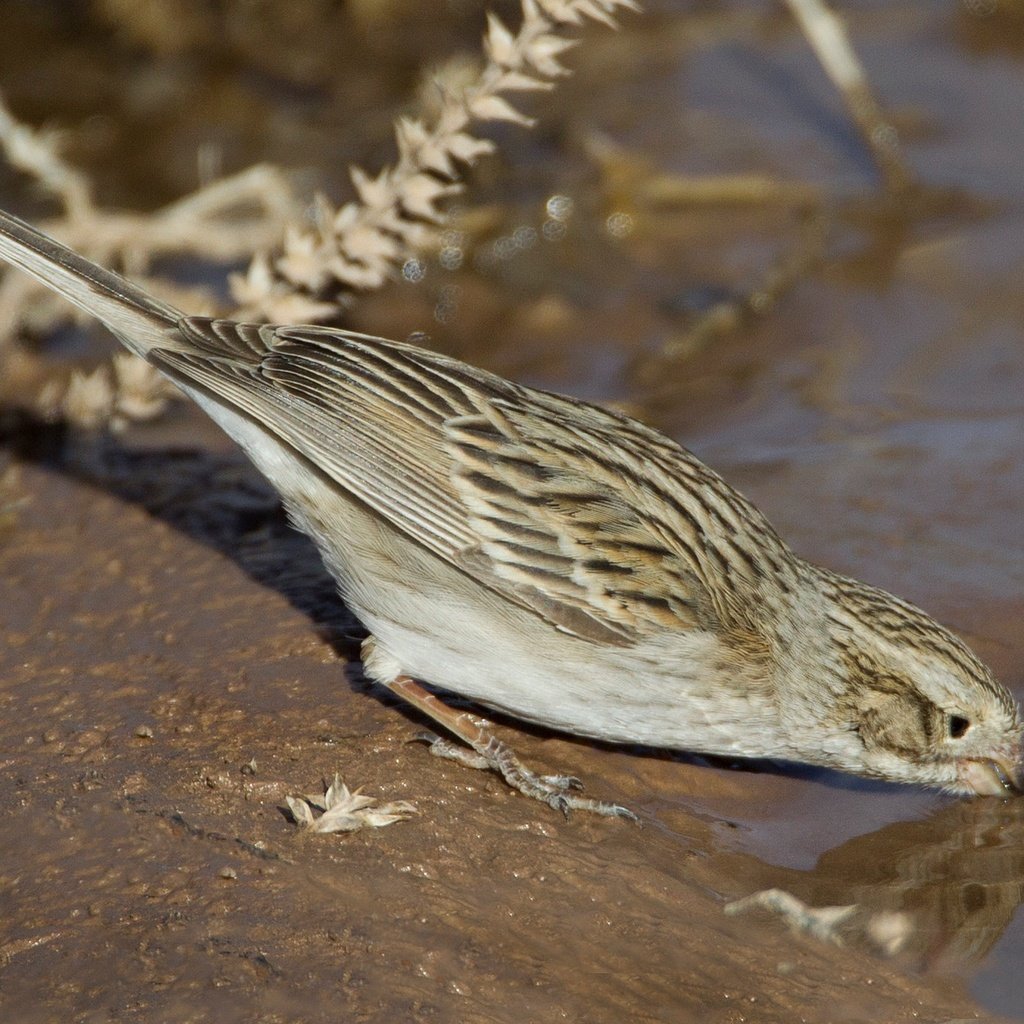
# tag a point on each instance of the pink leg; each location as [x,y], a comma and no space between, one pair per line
[489,752]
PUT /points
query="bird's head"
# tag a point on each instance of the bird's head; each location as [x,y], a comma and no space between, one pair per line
[917,704]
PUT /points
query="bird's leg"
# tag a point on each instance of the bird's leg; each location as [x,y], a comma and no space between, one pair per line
[490,752]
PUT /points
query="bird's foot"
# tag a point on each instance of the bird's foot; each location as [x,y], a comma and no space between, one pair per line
[557,791]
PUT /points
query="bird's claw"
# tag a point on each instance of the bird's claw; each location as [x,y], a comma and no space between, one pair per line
[557,791]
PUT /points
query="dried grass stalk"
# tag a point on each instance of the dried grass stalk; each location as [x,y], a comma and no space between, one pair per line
[827,35]
[359,246]
[316,270]
[225,220]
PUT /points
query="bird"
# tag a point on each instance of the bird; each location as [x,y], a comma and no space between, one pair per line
[560,563]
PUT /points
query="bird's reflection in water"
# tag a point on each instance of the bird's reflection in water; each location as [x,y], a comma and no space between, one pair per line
[958,875]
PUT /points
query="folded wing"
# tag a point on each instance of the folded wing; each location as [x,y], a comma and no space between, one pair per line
[554,503]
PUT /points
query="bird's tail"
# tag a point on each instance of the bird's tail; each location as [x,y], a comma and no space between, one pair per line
[138,319]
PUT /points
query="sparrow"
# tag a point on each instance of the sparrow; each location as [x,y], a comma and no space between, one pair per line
[560,563]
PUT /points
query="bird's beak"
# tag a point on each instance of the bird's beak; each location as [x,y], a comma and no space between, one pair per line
[995,777]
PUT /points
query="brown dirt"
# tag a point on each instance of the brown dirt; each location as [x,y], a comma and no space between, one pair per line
[149,877]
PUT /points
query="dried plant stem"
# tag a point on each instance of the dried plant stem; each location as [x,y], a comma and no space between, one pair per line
[35,151]
[732,315]
[225,220]
[356,247]
[678,191]
[827,35]
[359,246]
[822,923]
[634,178]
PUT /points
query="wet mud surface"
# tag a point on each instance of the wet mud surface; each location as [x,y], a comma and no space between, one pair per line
[173,663]
[161,701]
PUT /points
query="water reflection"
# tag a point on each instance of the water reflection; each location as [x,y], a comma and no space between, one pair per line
[958,874]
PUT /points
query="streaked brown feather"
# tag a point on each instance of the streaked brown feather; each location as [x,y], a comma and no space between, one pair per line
[570,509]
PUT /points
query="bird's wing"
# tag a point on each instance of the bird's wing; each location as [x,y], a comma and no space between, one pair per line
[599,524]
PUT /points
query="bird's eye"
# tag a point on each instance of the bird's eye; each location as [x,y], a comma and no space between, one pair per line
[958,726]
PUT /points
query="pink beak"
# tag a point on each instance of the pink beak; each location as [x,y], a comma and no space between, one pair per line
[997,777]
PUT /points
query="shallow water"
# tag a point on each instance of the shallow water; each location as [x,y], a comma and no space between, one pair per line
[875,414]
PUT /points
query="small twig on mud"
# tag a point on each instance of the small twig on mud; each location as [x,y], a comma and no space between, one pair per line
[343,810]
